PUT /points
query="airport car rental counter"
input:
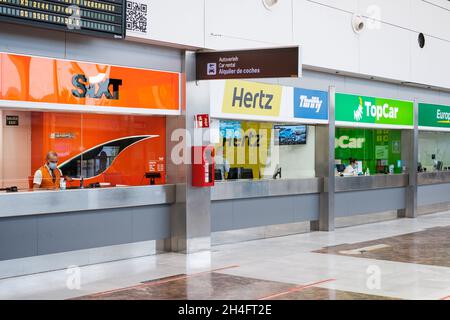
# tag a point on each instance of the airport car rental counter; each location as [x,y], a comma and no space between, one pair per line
[371,154]
[433,177]
[107,125]
[264,137]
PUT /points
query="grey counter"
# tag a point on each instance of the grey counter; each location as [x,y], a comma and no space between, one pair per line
[427,178]
[433,189]
[256,203]
[243,189]
[47,202]
[382,181]
[49,222]
[370,194]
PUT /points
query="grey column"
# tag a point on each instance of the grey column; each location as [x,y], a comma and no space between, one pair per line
[191,213]
[325,167]
[410,153]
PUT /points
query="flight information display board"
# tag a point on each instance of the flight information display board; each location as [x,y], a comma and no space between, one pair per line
[95,17]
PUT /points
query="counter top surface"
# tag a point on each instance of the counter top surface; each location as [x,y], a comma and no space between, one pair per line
[378,181]
[57,201]
[238,189]
[437,177]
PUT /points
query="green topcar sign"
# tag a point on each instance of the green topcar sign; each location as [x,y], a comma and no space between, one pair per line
[432,115]
[364,111]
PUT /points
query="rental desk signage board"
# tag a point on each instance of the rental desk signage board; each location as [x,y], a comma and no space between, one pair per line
[249,64]
[372,112]
[92,17]
[64,85]
[245,100]
[434,117]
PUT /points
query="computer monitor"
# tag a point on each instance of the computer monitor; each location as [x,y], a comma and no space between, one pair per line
[218,175]
[233,174]
[246,173]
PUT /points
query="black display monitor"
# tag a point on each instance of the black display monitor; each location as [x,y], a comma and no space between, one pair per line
[292,134]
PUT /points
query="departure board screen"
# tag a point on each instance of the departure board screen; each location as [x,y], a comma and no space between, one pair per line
[106,17]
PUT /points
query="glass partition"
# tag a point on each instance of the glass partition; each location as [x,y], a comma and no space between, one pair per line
[90,150]
[434,151]
[368,151]
[263,150]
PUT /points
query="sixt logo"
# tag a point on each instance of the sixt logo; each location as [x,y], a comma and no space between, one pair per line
[311,103]
[96,87]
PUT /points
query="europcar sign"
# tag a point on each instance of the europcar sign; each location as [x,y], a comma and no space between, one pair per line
[432,116]
[361,111]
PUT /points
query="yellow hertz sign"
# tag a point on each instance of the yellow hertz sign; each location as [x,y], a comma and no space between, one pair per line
[252,98]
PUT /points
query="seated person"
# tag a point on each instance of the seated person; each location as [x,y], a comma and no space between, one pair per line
[48,176]
[351,168]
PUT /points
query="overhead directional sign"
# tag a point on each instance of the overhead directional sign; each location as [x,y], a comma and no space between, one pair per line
[248,64]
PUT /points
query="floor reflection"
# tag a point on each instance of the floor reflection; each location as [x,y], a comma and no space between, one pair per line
[217,286]
[428,247]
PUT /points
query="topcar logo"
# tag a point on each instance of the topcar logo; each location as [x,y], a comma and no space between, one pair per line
[358,113]
[377,112]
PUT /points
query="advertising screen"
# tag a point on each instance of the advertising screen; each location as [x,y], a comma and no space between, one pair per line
[291,135]
[230,129]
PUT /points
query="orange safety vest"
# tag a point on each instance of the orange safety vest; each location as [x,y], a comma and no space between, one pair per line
[47,179]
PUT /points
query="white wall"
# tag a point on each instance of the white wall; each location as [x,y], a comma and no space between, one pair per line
[387,49]
[175,22]
[298,161]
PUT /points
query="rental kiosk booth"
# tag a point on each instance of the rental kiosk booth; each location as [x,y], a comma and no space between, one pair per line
[434,158]
[265,141]
[107,125]
[375,134]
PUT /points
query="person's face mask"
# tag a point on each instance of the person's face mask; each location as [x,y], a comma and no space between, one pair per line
[52,165]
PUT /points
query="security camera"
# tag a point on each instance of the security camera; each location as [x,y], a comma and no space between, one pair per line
[358,23]
[270,4]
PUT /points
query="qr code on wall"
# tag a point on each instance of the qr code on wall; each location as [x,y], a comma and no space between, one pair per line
[137,16]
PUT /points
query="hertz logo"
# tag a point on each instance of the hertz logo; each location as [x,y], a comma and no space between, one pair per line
[251,98]
[260,100]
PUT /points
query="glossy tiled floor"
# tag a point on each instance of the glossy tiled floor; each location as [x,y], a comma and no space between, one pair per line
[217,286]
[401,259]
[430,247]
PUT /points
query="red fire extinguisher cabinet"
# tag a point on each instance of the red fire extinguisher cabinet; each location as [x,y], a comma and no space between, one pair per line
[202,166]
